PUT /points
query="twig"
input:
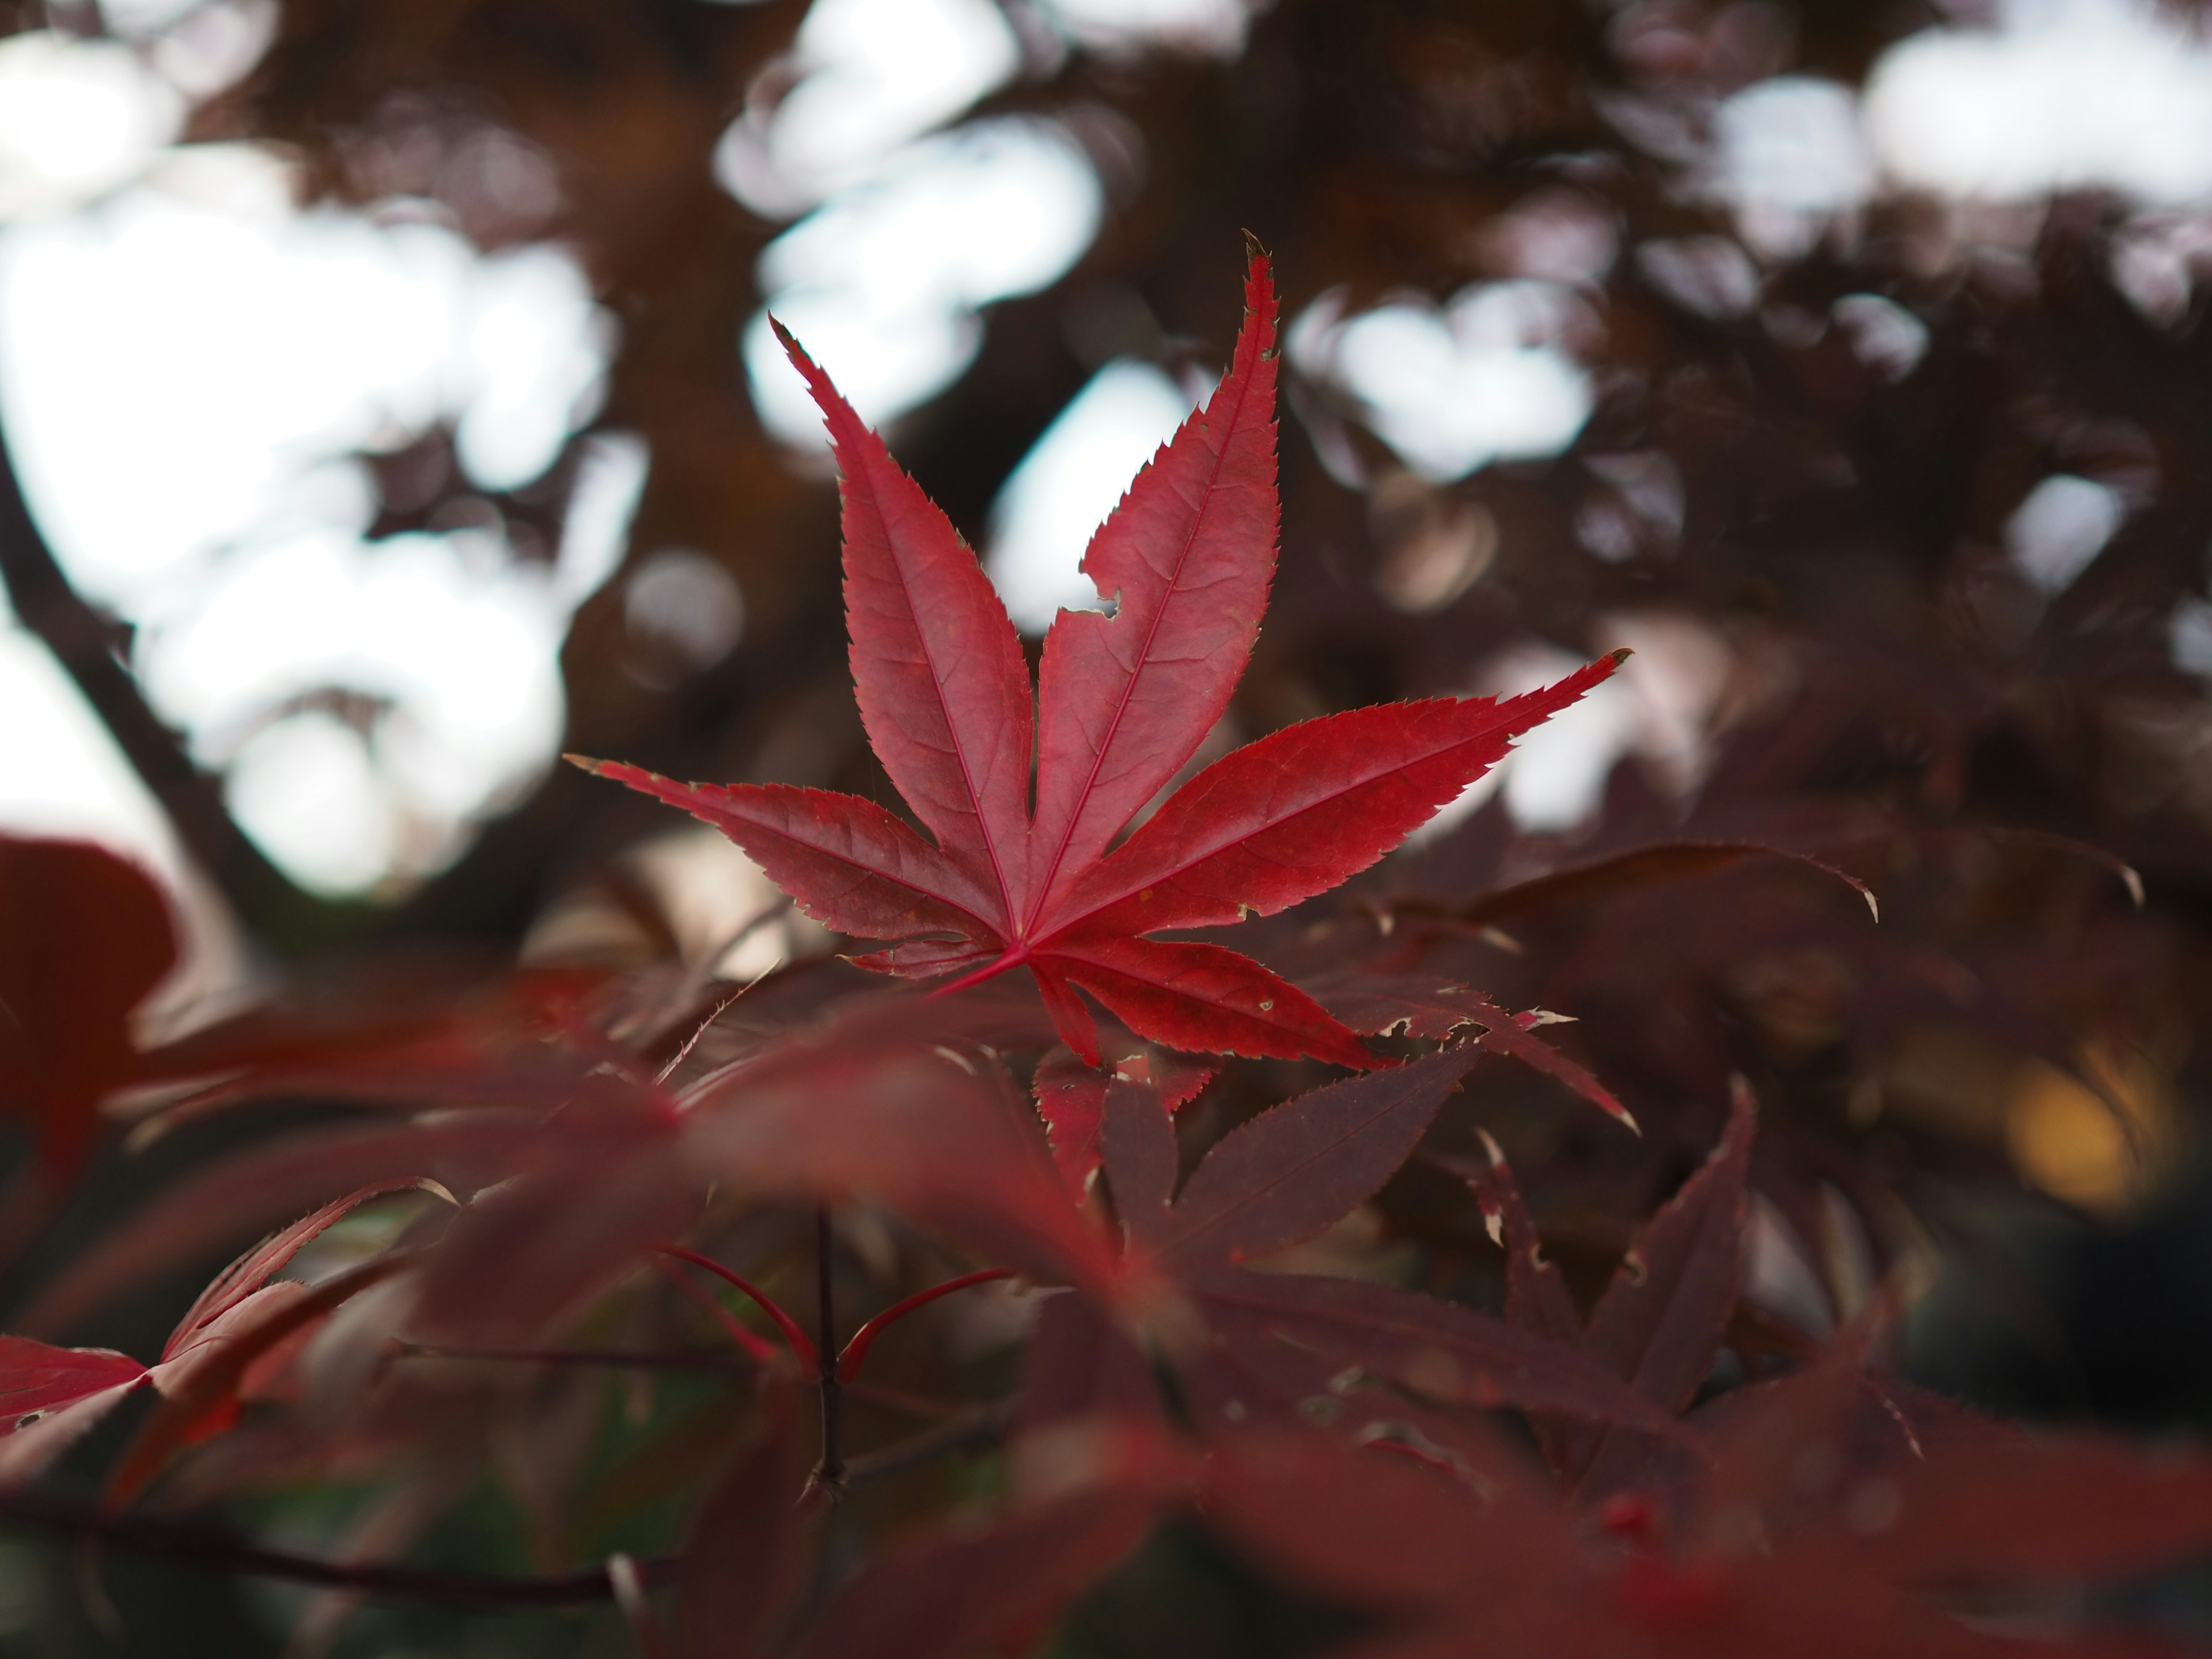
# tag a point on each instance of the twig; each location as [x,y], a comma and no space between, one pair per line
[200,1546]
[856,1352]
[829,1473]
[802,1349]
[643,1359]
[629,1595]
[976,1430]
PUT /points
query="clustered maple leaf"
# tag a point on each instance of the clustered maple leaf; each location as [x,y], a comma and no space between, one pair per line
[1683,1466]
[1122,703]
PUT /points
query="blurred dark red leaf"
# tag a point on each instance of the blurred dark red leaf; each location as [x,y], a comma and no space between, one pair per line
[37,1379]
[748,1551]
[84,938]
[967,1591]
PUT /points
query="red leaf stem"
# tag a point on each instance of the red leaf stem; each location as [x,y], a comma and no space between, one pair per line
[856,1351]
[802,1345]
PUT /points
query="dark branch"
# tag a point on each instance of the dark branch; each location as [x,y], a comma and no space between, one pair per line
[972,1432]
[830,1472]
[198,1547]
[643,1359]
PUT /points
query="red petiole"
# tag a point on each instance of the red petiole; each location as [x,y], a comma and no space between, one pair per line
[801,1346]
[854,1352]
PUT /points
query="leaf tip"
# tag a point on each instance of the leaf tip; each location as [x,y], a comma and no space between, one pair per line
[1258,265]
[1743,1105]
[1492,1150]
[2133,879]
[585,763]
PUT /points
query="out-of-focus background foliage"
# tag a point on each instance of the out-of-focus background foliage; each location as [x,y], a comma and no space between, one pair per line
[388,406]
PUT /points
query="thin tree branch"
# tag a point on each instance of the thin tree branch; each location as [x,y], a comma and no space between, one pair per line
[643,1359]
[856,1351]
[976,1430]
[973,1430]
[829,1473]
[194,1545]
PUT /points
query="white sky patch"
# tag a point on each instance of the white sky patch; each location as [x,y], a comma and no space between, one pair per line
[307,791]
[1883,334]
[76,116]
[1486,378]
[462,642]
[2061,95]
[595,535]
[1209,27]
[2189,637]
[144,16]
[872,75]
[685,603]
[533,351]
[2061,526]
[1070,482]
[203,47]
[64,776]
[183,374]
[214,347]
[882,285]
[1788,154]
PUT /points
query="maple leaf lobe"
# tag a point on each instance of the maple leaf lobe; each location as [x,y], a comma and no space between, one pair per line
[1122,702]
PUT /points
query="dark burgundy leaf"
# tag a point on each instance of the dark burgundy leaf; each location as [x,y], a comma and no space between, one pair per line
[1662,1316]
[255,1189]
[1298,1168]
[1081,1365]
[1641,866]
[1071,1097]
[970,1592]
[1371,1529]
[1438,1349]
[1536,1300]
[1140,1153]
[746,1561]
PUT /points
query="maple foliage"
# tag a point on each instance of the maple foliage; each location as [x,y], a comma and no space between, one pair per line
[1186,1364]
[1121,703]
[1220,1288]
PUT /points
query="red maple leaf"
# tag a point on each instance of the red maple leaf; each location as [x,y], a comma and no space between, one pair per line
[1121,703]
[236,1332]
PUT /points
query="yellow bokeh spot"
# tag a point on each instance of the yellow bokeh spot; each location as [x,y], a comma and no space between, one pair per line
[2102,1149]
